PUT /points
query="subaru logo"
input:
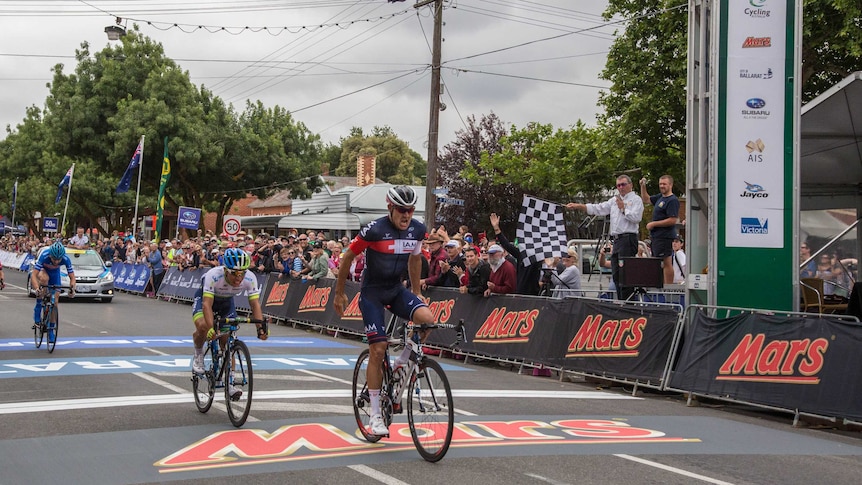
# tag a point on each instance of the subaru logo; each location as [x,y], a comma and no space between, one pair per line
[755,103]
[188,215]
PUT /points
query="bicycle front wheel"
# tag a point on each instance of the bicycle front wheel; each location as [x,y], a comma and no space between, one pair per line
[430,411]
[361,398]
[53,328]
[203,386]
[238,383]
[39,329]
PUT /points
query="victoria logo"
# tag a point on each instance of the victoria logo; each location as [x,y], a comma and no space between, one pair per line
[754,191]
[754,225]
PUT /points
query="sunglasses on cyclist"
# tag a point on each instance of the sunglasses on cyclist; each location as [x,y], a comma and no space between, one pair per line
[405,210]
[235,272]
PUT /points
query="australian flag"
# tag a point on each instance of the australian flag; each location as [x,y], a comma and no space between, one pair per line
[64,183]
[126,181]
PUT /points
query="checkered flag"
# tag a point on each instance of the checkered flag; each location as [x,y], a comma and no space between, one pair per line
[541,230]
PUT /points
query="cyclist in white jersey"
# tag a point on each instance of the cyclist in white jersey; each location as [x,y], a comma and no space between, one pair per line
[215,296]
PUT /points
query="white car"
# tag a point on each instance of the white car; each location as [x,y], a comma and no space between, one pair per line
[93,279]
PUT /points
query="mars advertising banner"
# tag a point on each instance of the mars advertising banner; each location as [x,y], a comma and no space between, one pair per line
[809,364]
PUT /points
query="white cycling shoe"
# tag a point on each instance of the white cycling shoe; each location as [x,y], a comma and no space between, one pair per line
[198,364]
[234,392]
[377,426]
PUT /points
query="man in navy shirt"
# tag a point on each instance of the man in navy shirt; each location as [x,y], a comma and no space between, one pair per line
[662,228]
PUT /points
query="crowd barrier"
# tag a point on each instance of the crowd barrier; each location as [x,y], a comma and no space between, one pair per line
[809,364]
[19,261]
[805,364]
[131,277]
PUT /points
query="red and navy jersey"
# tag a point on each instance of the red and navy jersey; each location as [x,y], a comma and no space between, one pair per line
[387,250]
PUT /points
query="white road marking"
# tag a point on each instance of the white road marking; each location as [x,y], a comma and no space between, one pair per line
[671,469]
[180,392]
[379,476]
[159,352]
[184,397]
[545,479]
[324,376]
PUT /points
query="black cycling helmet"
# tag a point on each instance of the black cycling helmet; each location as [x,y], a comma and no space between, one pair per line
[401,196]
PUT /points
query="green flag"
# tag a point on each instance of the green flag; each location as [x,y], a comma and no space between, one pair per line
[163,185]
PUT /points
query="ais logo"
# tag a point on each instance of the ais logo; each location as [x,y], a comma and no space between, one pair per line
[755,150]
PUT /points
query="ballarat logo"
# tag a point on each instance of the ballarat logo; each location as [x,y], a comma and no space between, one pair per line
[503,326]
[782,361]
[315,299]
[611,338]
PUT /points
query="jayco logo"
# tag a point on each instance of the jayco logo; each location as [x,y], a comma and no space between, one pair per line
[754,191]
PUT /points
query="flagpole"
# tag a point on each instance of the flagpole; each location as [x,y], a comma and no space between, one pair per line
[71,176]
[14,202]
[138,195]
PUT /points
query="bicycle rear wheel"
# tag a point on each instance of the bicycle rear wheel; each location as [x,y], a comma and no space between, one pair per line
[53,328]
[430,411]
[238,406]
[203,386]
[361,399]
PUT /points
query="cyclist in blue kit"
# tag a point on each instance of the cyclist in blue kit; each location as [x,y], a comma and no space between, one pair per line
[46,271]
[392,244]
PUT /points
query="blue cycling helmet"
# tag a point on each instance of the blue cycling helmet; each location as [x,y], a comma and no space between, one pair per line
[57,251]
[236,259]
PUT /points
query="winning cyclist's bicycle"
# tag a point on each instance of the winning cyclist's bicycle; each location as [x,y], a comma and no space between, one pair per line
[226,367]
[49,324]
[430,410]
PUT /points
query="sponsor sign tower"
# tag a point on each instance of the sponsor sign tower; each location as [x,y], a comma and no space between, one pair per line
[743,153]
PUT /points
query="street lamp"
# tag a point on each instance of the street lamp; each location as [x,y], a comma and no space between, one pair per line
[115,31]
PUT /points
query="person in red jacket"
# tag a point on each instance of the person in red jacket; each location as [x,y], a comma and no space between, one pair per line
[503,278]
[436,276]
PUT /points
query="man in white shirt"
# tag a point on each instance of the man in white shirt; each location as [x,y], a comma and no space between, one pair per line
[626,210]
[80,240]
[678,260]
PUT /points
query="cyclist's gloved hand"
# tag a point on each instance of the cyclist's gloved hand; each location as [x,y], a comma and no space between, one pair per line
[210,333]
[263,331]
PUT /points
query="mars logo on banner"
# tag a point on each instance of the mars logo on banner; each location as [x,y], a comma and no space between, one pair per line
[611,338]
[278,293]
[352,312]
[783,361]
[315,441]
[315,299]
[507,326]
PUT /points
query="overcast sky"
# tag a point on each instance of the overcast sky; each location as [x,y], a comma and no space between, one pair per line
[311,71]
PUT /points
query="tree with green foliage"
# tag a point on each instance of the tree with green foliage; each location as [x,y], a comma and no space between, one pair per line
[396,162]
[460,173]
[95,116]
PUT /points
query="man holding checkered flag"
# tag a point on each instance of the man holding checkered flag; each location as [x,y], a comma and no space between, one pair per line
[626,210]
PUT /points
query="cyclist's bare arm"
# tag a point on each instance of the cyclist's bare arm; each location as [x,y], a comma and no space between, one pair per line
[340,302]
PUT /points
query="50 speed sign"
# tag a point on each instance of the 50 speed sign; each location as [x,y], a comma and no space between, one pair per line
[231,225]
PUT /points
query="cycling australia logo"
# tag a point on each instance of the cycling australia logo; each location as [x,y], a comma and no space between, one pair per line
[756,11]
[754,225]
[754,191]
[756,74]
[755,150]
[755,109]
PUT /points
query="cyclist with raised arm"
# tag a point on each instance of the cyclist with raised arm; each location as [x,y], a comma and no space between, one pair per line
[392,244]
[46,272]
[218,288]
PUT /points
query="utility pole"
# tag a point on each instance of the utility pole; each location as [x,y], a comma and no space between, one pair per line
[434,118]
